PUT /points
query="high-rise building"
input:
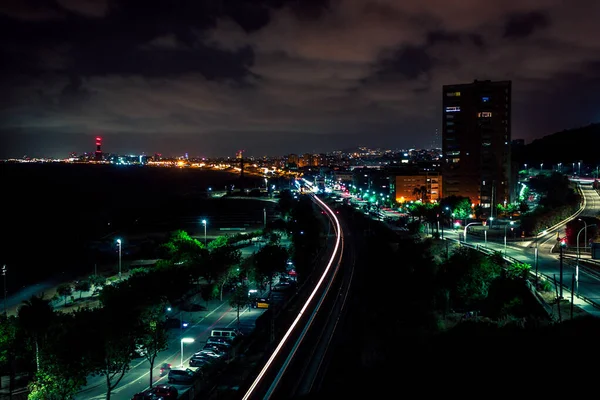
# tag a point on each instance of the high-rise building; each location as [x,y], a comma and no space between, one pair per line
[98,153]
[476,142]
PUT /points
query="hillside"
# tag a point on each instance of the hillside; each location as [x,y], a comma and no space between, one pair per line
[568,146]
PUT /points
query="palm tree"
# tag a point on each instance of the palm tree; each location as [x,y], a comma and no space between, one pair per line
[35,316]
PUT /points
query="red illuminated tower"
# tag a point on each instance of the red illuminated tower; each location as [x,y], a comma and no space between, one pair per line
[98,153]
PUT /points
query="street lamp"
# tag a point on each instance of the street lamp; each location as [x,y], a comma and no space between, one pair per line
[264,218]
[185,340]
[491,220]
[119,244]
[204,223]
[584,235]
[506,226]
[468,225]
[578,251]
[582,229]
[541,167]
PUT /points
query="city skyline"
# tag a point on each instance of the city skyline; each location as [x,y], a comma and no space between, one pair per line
[279,77]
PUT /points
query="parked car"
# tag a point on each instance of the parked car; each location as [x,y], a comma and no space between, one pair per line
[219,347]
[165,391]
[146,396]
[224,341]
[181,376]
[201,360]
[211,353]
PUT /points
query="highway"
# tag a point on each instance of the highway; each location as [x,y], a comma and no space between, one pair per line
[588,280]
[295,365]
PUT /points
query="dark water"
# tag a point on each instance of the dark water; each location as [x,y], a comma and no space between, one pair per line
[54,216]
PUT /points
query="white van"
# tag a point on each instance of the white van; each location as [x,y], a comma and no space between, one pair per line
[225,332]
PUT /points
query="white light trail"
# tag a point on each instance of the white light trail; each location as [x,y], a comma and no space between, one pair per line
[283,341]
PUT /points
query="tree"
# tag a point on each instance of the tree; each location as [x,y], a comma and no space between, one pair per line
[154,334]
[286,203]
[468,275]
[82,286]
[98,281]
[219,259]
[34,317]
[113,333]
[420,193]
[240,299]
[270,260]
[8,341]
[64,290]
[517,271]
[64,368]
[182,248]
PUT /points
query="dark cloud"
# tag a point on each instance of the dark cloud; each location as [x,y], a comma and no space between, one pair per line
[523,25]
[284,75]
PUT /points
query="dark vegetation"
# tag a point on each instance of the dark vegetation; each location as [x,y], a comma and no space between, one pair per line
[422,325]
[568,146]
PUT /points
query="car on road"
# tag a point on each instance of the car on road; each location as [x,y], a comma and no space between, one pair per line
[165,391]
[175,323]
[182,376]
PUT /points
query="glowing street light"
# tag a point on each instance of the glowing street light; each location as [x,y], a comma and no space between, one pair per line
[204,223]
[119,244]
[185,340]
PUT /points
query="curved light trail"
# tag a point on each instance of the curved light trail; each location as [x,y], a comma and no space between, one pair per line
[292,327]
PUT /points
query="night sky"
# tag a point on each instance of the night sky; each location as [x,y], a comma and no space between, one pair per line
[210,77]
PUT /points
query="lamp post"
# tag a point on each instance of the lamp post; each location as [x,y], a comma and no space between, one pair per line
[579,253]
[579,165]
[4,271]
[204,223]
[578,233]
[468,225]
[185,340]
[584,236]
[491,220]
[541,167]
[264,218]
[506,226]
[119,244]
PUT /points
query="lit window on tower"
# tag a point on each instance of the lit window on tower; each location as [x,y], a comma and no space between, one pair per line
[484,114]
[452,109]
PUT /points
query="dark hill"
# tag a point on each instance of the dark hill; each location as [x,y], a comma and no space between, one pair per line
[569,146]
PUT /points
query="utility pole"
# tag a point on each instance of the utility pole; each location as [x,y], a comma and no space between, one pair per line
[536,267]
[4,270]
[572,292]
[561,245]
